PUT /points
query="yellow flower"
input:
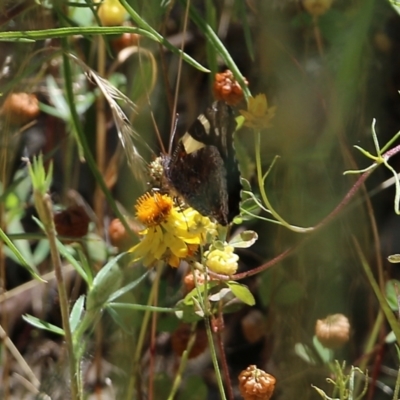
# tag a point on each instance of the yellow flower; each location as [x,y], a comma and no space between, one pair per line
[172,234]
[258,115]
[222,261]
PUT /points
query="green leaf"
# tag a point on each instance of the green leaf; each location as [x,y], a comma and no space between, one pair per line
[38,323]
[325,354]
[96,247]
[105,283]
[57,99]
[249,209]
[42,250]
[244,239]
[304,353]
[14,227]
[21,186]
[81,15]
[220,294]
[20,257]
[66,253]
[102,274]
[242,292]
[76,313]
[120,321]
[396,6]
[128,287]
[194,293]
[392,289]
[188,312]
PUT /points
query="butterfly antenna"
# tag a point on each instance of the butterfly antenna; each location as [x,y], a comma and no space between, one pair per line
[178,79]
[173,133]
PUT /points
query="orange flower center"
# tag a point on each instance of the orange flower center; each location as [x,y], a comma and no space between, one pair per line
[153,208]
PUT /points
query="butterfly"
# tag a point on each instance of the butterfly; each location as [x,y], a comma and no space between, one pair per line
[203,168]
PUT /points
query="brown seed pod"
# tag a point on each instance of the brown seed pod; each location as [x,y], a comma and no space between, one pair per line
[333,331]
[20,108]
[256,384]
[227,88]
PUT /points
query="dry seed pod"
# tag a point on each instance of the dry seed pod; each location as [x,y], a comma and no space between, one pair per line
[333,331]
[227,88]
[256,384]
[20,108]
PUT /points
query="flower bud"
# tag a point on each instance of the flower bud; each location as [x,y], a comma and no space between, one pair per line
[222,261]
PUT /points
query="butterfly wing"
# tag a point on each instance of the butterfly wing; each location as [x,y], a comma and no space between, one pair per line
[203,168]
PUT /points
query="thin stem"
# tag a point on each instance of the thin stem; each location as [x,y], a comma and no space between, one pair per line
[397,387]
[100,134]
[153,334]
[214,359]
[142,335]
[182,365]
[260,181]
[393,322]
[18,357]
[225,368]
[46,216]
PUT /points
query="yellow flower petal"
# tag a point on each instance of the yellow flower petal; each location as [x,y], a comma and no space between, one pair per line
[258,115]
[172,234]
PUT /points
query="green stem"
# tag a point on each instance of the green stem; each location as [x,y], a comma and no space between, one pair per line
[397,387]
[394,324]
[214,359]
[260,180]
[46,216]
[142,335]
[182,365]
